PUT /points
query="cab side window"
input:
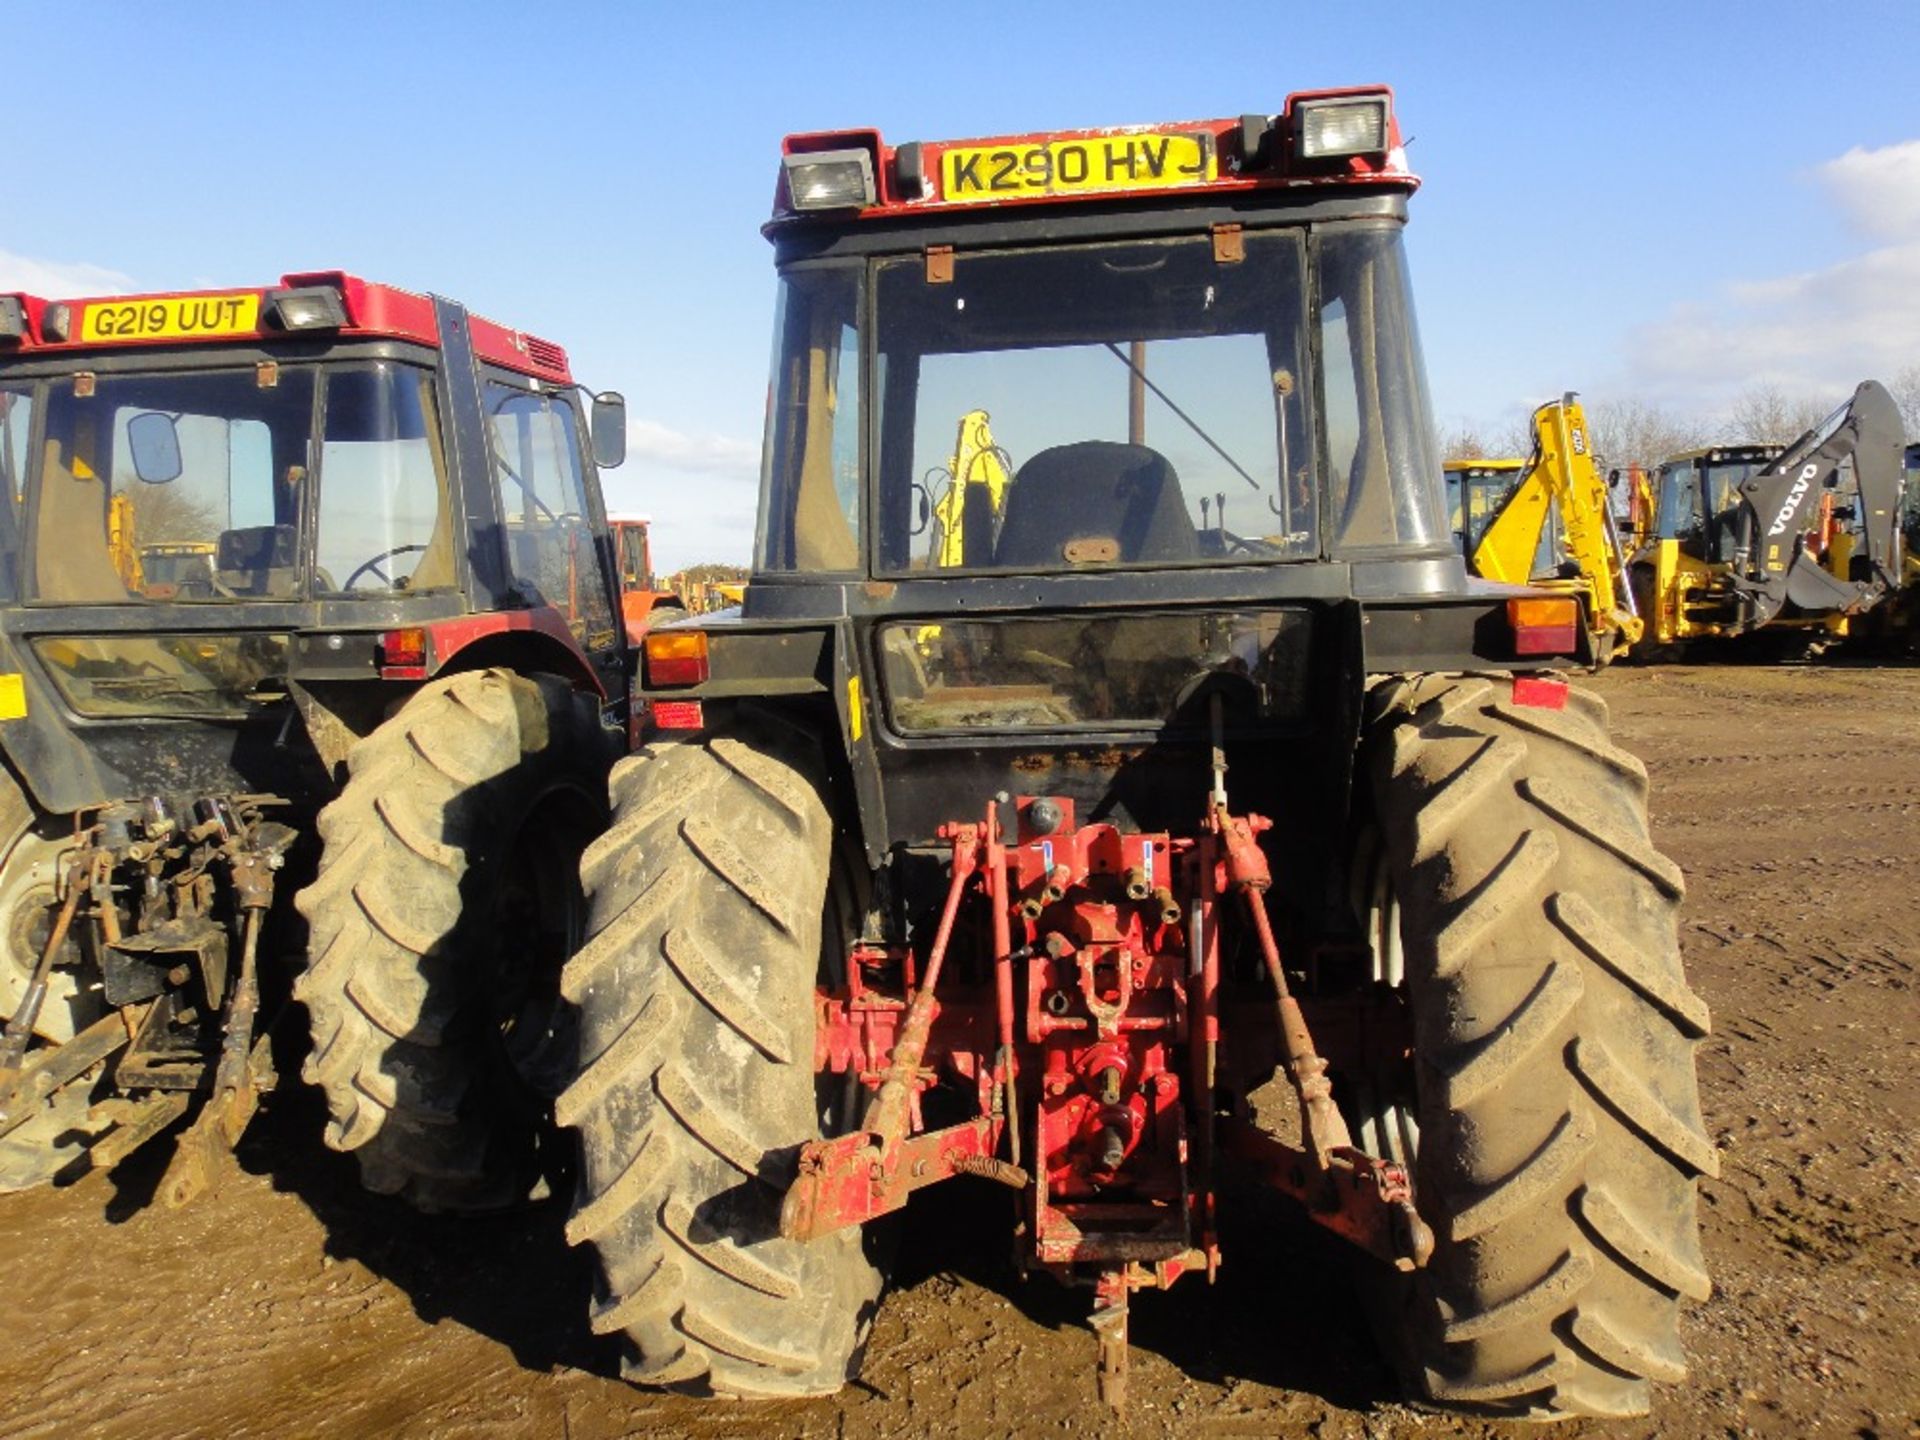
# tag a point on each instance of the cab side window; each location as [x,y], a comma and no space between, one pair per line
[551,550]
[16,422]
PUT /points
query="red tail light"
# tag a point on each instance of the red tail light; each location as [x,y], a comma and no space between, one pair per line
[403,654]
[1545,626]
[676,657]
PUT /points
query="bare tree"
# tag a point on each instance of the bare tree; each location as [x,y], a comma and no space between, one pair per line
[1633,432]
[1768,415]
[1515,437]
[163,514]
[1906,394]
[1462,444]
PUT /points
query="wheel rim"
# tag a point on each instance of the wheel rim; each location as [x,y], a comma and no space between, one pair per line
[539,919]
[28,876]
[1385,1103]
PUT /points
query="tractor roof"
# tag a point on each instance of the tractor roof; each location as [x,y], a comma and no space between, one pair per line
[1320,139]
[1467,467]
[326,302]
[1725,454]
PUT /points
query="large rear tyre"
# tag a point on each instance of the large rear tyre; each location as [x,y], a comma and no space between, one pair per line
[712,916]
[446,903]
[1558,1137]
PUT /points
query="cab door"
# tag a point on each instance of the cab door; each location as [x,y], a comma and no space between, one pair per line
[553,524]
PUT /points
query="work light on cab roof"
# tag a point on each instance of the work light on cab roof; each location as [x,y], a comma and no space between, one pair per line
[1321,137]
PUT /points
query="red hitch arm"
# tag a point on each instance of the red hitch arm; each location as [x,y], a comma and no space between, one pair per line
[1360,1198]
[858,1176]
[1247,872]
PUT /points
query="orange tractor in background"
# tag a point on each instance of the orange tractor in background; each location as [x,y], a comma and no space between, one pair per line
[641,591]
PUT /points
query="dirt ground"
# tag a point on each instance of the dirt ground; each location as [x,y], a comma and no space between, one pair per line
[287,1303]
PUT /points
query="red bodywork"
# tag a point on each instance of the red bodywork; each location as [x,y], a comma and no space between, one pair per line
[419,652]
[1279,170]
[374,311]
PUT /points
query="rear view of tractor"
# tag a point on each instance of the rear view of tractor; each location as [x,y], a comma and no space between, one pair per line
[1798,542]
[1111,739]
[306,574]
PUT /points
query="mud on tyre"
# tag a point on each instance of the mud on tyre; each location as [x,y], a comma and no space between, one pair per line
[710,919]
[1559,1132]
[445,904]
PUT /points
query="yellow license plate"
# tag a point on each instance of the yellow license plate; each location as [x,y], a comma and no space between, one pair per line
[183,317]
[1091,166]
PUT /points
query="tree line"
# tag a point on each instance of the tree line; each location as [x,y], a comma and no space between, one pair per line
[1636,432]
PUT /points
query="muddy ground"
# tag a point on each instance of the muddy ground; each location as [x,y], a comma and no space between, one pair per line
[287,1303]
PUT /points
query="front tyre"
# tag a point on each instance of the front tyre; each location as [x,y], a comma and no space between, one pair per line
[712,918]
[446,903]
[1559,1136]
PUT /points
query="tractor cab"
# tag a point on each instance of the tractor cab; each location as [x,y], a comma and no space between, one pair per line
[643,599]
[1476,489]
[1062,425]
[217,496]
[1697,497]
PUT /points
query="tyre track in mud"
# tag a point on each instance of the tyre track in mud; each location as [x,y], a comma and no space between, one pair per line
[286,1302]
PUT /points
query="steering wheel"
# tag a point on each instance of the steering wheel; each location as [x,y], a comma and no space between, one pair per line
[374,565]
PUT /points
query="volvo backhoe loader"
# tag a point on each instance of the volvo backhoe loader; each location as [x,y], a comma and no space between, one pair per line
[1801,541]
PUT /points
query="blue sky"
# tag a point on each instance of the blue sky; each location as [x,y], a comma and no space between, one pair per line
[1663,201]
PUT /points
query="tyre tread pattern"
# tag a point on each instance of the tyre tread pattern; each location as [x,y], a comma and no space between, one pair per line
[384,913]
[1554,1031]
[695,996]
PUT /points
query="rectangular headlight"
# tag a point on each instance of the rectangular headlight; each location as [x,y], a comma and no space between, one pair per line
[1332,129]
[311,307]
[829,180]
[13,318]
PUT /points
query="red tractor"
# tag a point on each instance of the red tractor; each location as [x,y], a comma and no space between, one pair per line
[1053,801]
[306,582]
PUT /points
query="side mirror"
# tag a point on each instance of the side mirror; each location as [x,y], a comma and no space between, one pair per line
[609,429]
[155,444]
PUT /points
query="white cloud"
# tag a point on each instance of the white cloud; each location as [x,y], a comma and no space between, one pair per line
[701,491]
[1878,189]
[56,279]
[1817,330]
[649,440]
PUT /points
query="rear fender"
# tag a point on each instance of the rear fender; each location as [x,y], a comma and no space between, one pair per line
[536,639]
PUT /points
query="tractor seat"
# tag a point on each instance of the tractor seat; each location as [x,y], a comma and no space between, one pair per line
[257,561]
[1095,502]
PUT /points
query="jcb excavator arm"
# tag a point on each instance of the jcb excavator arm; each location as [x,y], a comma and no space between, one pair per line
[976,461]
[1562,474]
[1785,521]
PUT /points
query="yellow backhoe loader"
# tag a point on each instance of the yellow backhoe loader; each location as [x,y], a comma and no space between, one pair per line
[1548,522]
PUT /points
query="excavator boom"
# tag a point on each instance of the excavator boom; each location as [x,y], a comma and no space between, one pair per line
[1849,468]
[1562,479]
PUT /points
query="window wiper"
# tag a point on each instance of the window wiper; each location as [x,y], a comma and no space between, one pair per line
[1192,424]
[546,511]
